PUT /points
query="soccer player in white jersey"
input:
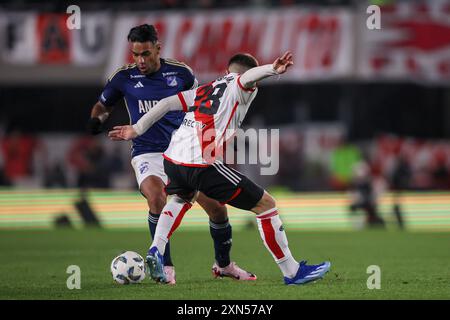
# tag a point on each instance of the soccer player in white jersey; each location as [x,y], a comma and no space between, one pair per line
[213,112]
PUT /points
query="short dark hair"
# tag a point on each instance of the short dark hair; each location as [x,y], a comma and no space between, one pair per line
[143,33]
[243,59]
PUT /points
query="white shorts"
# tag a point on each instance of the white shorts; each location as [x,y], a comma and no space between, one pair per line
[149,164]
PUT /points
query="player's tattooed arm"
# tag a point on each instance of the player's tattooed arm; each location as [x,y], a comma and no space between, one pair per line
[279,66]
[99,114]
[128,132]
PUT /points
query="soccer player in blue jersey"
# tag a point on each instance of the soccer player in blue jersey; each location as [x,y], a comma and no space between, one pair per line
[142,85]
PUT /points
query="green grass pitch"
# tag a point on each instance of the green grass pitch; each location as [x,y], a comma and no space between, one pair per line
[413,265]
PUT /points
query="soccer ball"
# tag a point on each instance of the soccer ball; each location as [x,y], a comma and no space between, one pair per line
[128,267]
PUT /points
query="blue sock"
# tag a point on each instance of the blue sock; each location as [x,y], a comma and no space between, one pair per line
[152,222]
[221,234]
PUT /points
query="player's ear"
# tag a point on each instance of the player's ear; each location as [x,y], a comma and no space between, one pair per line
[158,47]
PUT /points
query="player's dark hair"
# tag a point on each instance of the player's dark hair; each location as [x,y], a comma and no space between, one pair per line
[244,60]
[143,33]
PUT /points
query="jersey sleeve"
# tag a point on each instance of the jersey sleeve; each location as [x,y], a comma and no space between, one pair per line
[243,94]
[189,79]
[187,98]
[112,92]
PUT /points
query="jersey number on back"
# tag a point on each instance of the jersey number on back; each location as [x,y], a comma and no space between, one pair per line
[208,97]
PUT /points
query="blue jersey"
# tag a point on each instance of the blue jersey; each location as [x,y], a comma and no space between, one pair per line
[141,92]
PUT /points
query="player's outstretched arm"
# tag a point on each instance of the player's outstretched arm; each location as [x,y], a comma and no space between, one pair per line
[279,66]
[128,132]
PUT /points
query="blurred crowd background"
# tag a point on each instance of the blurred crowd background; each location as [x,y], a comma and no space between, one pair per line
[358,102]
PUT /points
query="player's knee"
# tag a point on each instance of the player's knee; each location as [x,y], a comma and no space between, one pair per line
[267,202]
[217,213]
[156,201]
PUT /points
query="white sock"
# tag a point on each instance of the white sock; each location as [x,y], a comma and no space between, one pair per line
[169,220]
[274,237]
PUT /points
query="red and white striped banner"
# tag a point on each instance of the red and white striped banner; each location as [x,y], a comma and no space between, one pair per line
[413,43]
[320,40]
[33,38]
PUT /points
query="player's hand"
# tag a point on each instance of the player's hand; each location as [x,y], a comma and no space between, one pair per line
[280,65]
[94,126]
[122,133]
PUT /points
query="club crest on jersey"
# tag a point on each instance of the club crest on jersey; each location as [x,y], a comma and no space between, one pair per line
[172,81]
[143,167]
